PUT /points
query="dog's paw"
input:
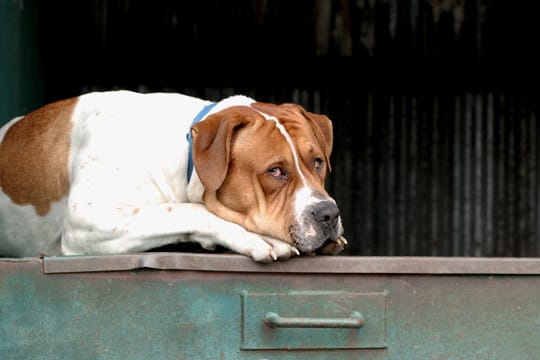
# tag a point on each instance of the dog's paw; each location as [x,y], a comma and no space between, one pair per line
[282,250]
[262,253]
[270,250]
[333,247]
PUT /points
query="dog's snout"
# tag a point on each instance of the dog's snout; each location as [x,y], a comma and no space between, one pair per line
[320,222]
[325,212]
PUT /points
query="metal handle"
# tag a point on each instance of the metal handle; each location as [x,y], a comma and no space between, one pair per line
[274,320]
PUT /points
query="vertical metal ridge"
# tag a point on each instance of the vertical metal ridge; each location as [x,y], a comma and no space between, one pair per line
[442,174]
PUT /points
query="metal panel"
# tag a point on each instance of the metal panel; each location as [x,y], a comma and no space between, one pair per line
[196,314]
[314,306]
[318,264]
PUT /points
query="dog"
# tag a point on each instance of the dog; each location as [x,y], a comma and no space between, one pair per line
[118,172]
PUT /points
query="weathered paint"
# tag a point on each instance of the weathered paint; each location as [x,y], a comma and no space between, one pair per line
[314,320]
[198,314]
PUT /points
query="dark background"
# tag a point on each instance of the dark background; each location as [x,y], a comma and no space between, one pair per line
[276,44]
[434,103]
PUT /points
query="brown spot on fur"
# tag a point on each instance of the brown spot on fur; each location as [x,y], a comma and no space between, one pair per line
[136,211]
[34,156]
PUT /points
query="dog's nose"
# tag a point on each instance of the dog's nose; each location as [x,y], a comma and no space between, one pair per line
[325,212]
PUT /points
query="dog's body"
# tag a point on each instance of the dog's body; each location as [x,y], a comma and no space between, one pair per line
[110,173]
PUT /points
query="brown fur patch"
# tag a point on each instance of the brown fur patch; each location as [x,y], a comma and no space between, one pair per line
[34,156]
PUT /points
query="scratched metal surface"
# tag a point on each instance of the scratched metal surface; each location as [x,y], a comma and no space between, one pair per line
[201,314]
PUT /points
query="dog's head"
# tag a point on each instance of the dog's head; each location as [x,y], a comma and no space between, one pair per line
[263,166]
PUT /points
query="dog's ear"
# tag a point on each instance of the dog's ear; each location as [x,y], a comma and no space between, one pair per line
[212,145]
[322,128]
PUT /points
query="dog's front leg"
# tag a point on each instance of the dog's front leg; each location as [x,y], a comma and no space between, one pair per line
[95,229]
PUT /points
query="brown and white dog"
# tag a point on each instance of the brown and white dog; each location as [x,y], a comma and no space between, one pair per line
[111,173]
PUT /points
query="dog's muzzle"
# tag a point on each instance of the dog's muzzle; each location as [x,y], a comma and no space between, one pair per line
[319,222]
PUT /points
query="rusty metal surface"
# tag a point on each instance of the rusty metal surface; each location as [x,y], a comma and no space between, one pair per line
[317,264]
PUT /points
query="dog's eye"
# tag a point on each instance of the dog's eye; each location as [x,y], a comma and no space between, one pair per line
[278,173]
[318,163]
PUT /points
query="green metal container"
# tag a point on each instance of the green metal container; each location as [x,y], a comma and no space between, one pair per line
[213,306]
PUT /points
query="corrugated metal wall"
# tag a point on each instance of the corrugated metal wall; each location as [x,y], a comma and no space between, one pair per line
[450,175]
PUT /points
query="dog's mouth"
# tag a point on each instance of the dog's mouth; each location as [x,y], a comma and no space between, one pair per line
[317,250]
[309,245]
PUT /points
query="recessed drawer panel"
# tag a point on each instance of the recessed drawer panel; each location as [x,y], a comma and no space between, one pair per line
[313,320]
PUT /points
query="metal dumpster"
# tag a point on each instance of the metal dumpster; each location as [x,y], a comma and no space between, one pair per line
[221,306]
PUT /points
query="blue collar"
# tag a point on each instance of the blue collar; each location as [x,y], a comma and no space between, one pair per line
[205,110]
